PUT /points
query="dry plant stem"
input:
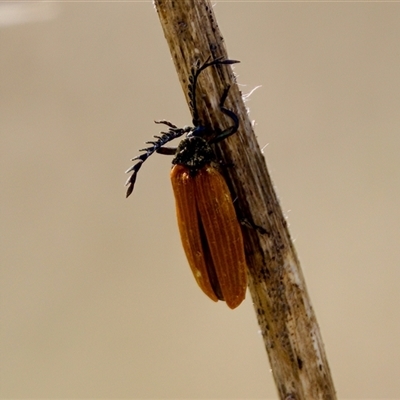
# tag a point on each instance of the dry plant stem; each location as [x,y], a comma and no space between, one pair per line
[283,308]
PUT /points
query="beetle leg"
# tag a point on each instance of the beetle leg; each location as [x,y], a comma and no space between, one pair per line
[232,129]
[168,151]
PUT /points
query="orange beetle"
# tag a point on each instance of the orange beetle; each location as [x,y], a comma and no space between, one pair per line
[209,229]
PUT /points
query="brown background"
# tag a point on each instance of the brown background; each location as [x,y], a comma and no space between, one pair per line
[97,299]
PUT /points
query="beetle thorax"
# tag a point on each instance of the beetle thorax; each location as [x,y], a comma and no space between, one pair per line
[194,153]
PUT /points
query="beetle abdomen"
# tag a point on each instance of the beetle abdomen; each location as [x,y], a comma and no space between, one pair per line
[210,233]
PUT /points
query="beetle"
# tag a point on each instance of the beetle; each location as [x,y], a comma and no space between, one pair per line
[210,232]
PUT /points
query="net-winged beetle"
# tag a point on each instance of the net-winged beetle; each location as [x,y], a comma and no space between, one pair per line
[208,226]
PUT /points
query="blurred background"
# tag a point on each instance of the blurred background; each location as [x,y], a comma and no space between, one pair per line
[96,297]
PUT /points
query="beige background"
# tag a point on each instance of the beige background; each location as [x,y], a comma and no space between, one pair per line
[97,299]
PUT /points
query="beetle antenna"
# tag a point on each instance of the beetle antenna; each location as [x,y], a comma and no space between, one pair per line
[195,72]
[173,133]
